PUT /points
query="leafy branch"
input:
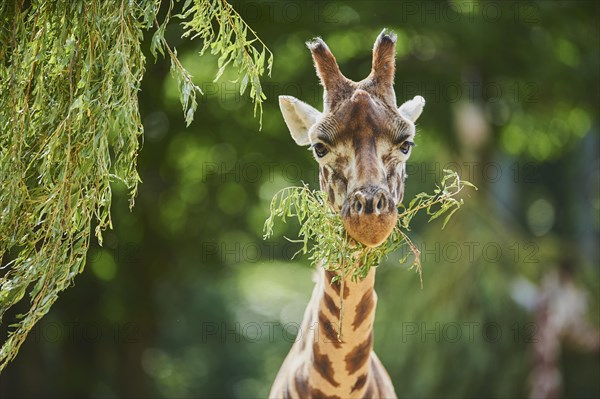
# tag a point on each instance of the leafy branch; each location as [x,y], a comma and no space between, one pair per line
[233,41]
[443,194]
[70,125]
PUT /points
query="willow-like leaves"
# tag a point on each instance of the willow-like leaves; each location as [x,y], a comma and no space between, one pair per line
[70,73]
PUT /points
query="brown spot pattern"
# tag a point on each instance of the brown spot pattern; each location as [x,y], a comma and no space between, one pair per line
[358,356]
[363,309]
[317,394]
[329,275]
[323,366]
[360,382]
[331,194]
[329,330]
[325,174]
[330,305]
[301,384]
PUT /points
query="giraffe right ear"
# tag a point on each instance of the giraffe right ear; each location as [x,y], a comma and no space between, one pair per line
[412,108]
[299,117]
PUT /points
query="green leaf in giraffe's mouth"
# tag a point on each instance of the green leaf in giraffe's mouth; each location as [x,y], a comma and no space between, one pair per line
[323,236]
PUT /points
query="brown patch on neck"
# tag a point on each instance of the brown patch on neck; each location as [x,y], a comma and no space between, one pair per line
[301,383]
[330,305]
[317,394]
[363,309]
[329,275]
[360,382]
[329,330]
[322,365]
[359,356]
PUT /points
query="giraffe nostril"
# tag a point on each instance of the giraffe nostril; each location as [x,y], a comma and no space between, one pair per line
[359,203]
[367,203]
[381,203]
[358,207]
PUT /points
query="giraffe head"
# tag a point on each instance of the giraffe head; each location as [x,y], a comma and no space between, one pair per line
[361,140]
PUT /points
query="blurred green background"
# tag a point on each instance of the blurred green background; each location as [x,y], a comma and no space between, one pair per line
[185,299]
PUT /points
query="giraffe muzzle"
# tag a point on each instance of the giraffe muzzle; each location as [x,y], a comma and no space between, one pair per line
[369,215]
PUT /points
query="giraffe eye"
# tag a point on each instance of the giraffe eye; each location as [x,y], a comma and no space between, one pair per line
[405,147]
[320,150]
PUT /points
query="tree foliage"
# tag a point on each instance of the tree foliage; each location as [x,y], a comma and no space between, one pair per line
[70,126]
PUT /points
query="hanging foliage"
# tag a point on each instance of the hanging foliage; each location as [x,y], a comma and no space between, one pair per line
[70,126]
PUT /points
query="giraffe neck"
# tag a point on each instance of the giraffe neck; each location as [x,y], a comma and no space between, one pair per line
[319,365]
[342,366]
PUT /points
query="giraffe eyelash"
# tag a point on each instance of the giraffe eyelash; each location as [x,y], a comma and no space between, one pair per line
[320,149]
[405,147]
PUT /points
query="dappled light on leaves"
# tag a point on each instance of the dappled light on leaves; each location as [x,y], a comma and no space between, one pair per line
[70,127]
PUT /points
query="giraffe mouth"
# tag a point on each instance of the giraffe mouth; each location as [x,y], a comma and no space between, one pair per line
[369,215]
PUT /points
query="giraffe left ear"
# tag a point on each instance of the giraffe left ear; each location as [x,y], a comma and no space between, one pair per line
[299,117]
[412,108]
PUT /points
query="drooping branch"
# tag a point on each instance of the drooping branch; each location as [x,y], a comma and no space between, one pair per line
[70,125]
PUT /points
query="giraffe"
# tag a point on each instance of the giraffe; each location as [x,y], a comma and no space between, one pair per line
[361,142]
